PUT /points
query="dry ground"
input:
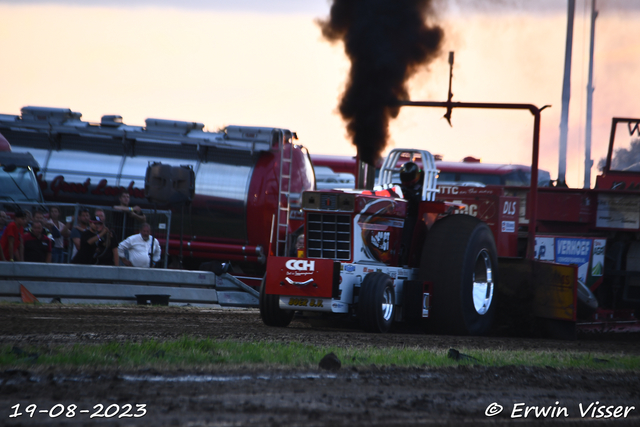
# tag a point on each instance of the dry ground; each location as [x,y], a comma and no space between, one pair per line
[372,395]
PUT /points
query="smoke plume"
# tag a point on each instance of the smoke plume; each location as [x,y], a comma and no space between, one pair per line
[624,159]
[387,41]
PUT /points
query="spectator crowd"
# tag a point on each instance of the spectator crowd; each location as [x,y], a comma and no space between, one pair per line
[36,237]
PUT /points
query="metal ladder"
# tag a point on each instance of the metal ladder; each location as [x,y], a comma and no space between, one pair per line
[284,191]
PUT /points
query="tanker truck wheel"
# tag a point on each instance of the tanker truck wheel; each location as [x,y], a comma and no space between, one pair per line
[460,259]
[270,311]
[376,303]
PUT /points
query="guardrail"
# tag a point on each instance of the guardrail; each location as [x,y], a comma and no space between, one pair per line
[120,285]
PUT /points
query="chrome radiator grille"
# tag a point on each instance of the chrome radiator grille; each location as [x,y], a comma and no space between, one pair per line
[329,236]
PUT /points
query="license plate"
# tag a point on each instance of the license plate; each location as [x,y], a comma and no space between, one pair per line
[300,303]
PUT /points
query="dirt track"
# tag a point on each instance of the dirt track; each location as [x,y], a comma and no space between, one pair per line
[365,396]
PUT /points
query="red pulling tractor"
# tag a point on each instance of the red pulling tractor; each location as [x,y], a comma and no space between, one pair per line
[369,255]
[384,258]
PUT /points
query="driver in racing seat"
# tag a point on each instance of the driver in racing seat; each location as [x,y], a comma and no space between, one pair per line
[411,178]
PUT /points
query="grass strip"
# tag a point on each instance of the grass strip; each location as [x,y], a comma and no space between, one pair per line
[190,352]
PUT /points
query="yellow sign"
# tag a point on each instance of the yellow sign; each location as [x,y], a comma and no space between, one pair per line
[304,302]
[555,290]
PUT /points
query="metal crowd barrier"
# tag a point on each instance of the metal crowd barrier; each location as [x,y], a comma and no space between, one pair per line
[160,221]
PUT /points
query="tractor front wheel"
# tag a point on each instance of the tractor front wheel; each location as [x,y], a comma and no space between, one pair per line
[270,311]
[376,303]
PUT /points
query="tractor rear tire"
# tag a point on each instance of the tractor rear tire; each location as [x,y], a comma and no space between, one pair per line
[460,259]
[376,303]
[270,311]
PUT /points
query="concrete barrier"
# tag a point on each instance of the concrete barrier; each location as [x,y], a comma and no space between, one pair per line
[120,285]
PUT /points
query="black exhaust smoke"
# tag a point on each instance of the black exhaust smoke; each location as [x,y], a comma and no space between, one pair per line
[386,41]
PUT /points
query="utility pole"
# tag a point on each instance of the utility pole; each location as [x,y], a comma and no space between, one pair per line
[588,162]
[566,96]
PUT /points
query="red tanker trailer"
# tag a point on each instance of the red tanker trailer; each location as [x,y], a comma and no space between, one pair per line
[248,180]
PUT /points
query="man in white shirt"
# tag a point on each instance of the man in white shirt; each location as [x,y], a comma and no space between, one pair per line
[139,248]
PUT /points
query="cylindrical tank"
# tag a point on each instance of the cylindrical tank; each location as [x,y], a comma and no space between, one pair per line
[237,173]
[4,144]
